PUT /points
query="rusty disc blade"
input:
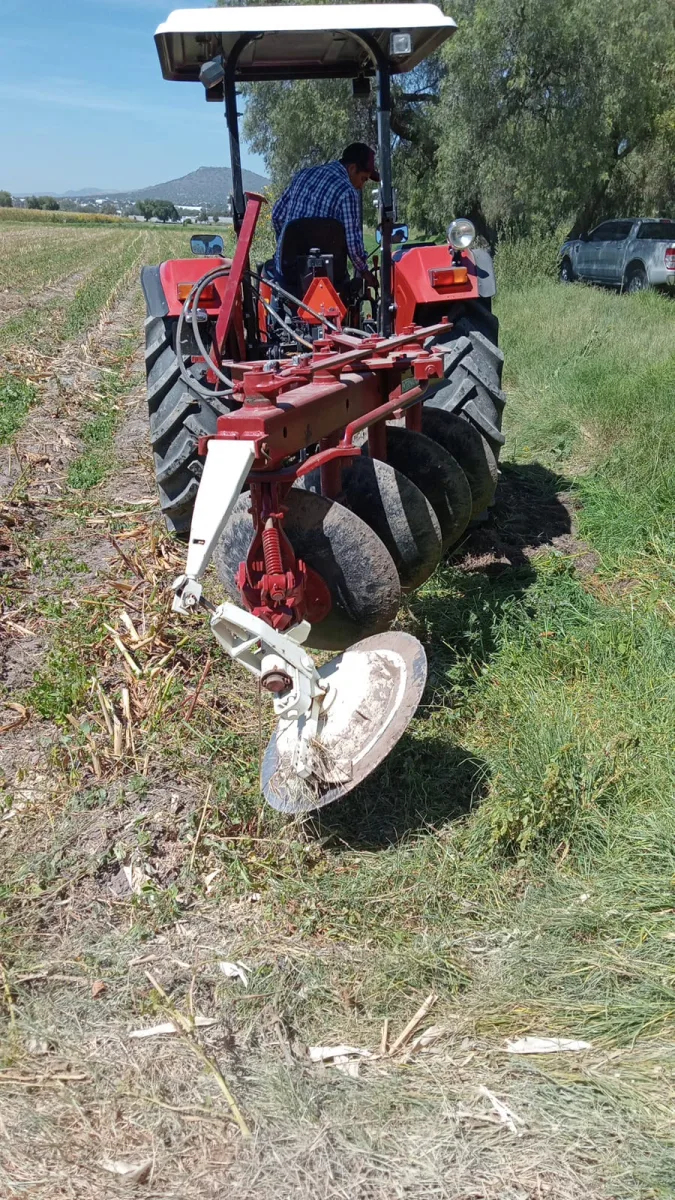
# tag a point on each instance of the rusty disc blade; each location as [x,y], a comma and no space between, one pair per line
[346,553]
[469,448]
[436,474]
[374,690]
[396,510]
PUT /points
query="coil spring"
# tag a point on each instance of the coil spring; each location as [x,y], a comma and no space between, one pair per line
[272,550]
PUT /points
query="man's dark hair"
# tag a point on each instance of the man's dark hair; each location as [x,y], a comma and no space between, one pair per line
[361,156]
[357,153]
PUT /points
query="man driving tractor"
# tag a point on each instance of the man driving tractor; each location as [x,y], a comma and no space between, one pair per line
[330,191]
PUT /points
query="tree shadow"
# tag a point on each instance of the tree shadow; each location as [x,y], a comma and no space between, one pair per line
[428,779]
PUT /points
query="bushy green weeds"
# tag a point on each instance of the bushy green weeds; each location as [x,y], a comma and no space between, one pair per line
[16,397]
[592,381]
[519,261]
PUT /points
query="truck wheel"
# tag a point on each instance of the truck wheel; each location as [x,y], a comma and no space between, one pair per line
[636,280]
[178,417]
[566,274]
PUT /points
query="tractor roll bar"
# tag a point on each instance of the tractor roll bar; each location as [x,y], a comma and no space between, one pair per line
[383,79]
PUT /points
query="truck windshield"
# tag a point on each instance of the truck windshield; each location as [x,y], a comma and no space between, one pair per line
[658,231]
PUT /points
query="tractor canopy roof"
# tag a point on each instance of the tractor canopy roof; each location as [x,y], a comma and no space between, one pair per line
[300,41]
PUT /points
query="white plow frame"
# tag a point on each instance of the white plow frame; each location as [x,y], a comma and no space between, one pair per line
[248,640]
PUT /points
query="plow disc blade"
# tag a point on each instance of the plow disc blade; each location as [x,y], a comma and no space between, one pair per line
[437,475]
[347,554]
[396,510]
[374,690]
[469,448]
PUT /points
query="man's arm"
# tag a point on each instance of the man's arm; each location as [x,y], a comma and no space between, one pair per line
[279,211]
[351,219]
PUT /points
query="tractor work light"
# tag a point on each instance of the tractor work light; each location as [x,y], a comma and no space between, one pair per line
[461,233]
[212,73]
[400,44]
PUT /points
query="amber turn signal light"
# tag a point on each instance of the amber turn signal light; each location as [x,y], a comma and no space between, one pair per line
[209,294]
[445,277]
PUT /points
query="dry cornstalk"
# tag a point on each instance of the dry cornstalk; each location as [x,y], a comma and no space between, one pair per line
[131,662]
[384,1039]
[410,1028]
[199,829]
[106,707]
[127,621]
[200,684]
[187,1029]
[118,738]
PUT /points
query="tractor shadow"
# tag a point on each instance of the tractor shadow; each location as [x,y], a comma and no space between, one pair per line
[428,779]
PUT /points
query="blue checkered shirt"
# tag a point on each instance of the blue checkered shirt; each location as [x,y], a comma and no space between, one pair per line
[323,192]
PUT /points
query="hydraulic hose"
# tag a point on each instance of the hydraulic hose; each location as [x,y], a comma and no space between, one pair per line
[276,287]
[280,321]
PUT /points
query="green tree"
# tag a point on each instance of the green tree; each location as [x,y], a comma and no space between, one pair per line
[43,202]
[166,211]
[534,113]
[544,105]
[5,200]
[163,210]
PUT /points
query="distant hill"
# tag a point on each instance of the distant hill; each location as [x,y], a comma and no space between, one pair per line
[85,192]
[208,186]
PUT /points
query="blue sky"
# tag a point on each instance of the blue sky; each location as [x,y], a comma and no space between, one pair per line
[83,103]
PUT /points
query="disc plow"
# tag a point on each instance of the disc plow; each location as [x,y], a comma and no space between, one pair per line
[324,447]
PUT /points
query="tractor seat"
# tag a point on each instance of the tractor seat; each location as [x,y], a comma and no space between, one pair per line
[299,238]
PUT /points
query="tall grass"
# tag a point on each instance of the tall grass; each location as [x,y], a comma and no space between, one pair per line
[41,216]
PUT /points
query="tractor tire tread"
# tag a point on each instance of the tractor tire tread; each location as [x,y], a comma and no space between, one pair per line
[178,418]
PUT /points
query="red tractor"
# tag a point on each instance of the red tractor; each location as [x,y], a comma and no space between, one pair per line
[325,441]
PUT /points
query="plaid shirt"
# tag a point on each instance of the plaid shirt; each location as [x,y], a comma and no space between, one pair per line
[323,192]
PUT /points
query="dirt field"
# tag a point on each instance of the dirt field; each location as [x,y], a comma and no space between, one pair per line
[138,861]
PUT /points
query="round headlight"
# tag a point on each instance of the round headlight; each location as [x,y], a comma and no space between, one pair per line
[461,233]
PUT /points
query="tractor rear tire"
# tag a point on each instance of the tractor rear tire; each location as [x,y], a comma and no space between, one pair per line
[178,418]
[472,386]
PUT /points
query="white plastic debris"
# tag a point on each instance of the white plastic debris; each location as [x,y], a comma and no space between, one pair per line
[326,1053]
[343,1058]
[235,970]
[37,1045]
[169,1027]
[543,1045]
[135,877]
[129,1172]
[506,1115]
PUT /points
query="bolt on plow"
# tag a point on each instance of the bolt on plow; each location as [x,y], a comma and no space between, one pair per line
[323,440]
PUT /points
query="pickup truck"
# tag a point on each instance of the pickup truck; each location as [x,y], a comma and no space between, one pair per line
[631,254]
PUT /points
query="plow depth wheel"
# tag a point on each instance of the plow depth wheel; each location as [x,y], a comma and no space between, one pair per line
[395,509]
[350,558]
[374,690]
